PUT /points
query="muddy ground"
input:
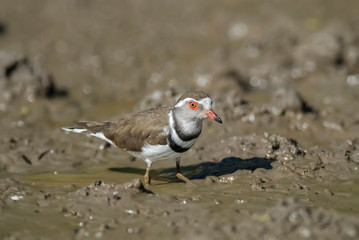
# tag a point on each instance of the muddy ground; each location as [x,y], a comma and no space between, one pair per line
[284,77]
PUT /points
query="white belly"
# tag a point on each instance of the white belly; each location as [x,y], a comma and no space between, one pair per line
[154,153]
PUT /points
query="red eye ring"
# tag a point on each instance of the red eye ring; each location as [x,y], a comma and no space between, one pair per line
[193,105]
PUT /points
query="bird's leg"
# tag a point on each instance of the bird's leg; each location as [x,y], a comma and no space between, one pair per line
[147,176]
[178,171]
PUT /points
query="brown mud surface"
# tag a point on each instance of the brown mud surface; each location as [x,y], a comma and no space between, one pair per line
[284,77]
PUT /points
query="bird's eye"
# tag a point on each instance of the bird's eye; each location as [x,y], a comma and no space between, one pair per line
[193,105]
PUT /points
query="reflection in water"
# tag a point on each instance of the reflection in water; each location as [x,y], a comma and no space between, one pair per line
[200,171]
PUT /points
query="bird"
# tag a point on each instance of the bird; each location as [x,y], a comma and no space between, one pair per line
[158,133]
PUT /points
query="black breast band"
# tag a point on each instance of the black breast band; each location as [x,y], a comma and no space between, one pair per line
[174,146]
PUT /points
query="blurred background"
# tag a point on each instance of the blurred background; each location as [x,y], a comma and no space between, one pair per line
[103,59]
[284,77]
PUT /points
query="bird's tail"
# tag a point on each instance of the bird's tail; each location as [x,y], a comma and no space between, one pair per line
[76,130]
[81,127]
[90,129]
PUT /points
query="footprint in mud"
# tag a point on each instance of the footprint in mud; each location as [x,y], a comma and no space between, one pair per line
[206,169]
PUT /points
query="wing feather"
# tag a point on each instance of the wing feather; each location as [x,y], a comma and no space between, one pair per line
[134,131]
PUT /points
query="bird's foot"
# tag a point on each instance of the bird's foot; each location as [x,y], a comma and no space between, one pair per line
[183,178]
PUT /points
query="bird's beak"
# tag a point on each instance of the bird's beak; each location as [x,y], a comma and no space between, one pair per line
[212,115]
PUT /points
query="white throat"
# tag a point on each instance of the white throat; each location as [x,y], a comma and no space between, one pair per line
[187,128]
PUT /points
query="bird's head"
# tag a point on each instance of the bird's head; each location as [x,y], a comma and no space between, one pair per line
[196,105]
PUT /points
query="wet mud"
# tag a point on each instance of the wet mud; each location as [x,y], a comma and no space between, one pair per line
[284,77]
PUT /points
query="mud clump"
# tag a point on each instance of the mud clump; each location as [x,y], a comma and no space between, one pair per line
[269,146]
[352,151]
[232,106]
[10,191]
[287,101]
[101,189]
[105,209]
[157,98]
[298,221]
[101,193]
[20,78]
[282,148]
[333,46]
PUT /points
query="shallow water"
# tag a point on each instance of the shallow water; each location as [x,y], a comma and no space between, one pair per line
[342,196]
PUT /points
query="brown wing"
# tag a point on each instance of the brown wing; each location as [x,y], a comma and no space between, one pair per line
[133,131]
[93,127]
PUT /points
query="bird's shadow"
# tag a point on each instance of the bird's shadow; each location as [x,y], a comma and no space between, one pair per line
[227,165]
